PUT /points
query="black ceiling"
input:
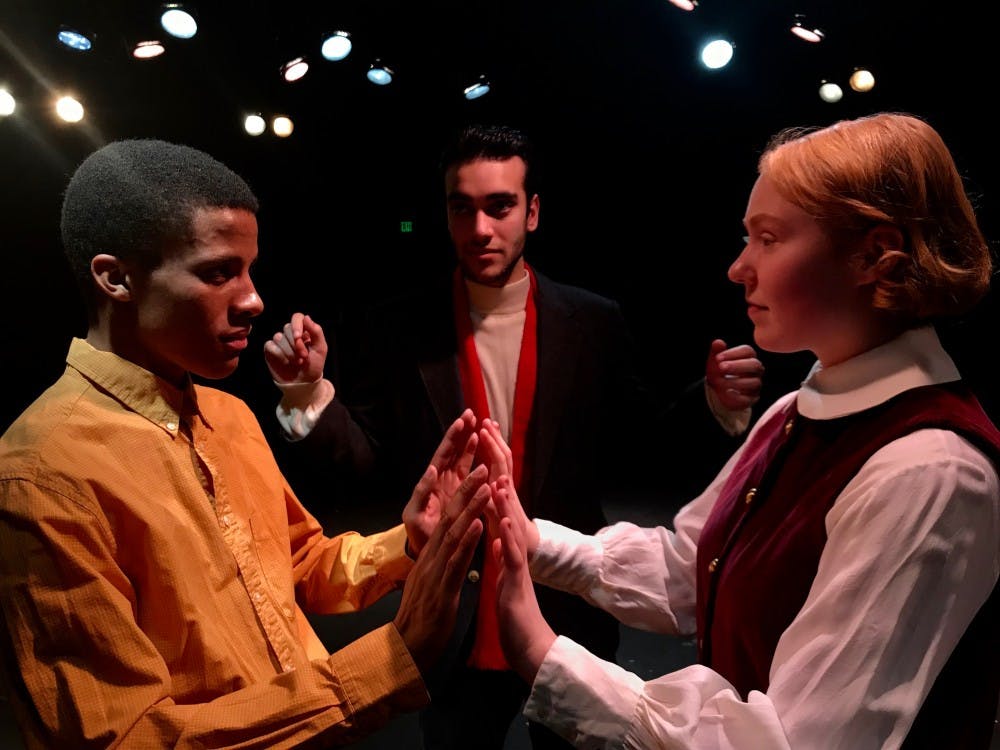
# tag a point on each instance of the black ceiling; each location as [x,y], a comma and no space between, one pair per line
[648,157]
[604,74]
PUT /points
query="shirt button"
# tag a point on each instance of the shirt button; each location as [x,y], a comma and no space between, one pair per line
[788,426]
[473,576]
[288,612]
[750,495]
[713,565]
[227,519]
[257,596]
[171,426]
[288,668]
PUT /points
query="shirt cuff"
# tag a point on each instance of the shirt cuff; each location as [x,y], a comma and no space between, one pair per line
[394,564]
[378,678]
[300,406]
[733,422]
[586,700]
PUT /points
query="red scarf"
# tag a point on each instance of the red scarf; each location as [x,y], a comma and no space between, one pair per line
[486,651]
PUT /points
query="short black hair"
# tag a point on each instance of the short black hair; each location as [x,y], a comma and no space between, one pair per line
[134,199]
[494,142]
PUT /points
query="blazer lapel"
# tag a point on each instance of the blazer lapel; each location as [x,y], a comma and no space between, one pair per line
[558,338]
[444,389]
[431,328]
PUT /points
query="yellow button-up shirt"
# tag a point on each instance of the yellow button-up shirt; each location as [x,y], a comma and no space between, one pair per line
[154,570]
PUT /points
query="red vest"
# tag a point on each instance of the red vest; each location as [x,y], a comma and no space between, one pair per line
[760,548]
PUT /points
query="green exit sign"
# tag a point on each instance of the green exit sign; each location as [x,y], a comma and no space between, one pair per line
[406,227]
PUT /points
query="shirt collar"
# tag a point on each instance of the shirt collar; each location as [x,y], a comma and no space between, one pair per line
[136,388]
[913,359]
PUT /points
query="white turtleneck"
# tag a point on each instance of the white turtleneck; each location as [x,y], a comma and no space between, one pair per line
[497,327]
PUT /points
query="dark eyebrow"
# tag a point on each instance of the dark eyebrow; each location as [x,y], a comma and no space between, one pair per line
[225,259]
[502,195]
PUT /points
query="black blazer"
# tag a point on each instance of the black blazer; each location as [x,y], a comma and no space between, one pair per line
[399,389]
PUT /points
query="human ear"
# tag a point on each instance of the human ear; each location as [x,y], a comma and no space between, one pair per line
[880,251]
[111,277]
[887,238]
[534,203]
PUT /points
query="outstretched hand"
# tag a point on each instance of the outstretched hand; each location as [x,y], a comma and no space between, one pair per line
[494,451]
[437,489]
[525,636]
[426,615]
[734,374]
[297,353]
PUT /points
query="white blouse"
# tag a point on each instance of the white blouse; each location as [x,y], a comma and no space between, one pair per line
[912,553]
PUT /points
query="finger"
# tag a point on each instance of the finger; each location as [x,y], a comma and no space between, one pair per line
[492,455]
[467,529]
[450,532]
[501,501]
[293,331]
[516,512]
[460,558]
[506,484]
[494,428]
[282,345]
[454,440]
[469,486]
[288,342]
[475,494]
[492,512]
[499,453]
[743,385]
[507,504]
[468,457]
[296,324]
[312,330]
[513,551]
[297,348]
[745,367]
[743,351]
[717,346]
[465,493]
[272,351]
[424,487]
[496,549]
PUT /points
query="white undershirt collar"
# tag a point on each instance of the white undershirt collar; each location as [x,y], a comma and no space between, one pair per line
[911,360]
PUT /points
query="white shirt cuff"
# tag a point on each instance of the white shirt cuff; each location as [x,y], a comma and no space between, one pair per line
[588,701]
[733,422]
[300,406]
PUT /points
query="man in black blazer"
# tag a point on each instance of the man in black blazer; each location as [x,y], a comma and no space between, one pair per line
[554,365]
